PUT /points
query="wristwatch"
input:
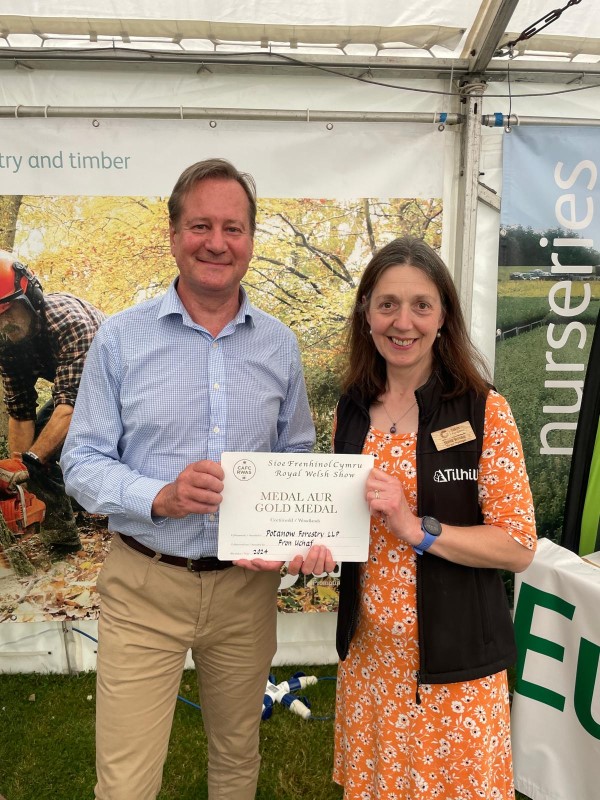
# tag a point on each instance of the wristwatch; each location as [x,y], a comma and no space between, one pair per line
[431,528]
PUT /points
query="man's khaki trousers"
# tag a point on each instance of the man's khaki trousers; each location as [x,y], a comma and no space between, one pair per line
[150,615]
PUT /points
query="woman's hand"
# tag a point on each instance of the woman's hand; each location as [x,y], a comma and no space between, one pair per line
[472,545]
[386,499]
[317,561]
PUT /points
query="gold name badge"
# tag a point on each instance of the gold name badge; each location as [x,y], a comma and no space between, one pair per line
[455,434]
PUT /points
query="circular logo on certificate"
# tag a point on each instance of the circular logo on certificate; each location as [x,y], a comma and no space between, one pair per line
[244,470]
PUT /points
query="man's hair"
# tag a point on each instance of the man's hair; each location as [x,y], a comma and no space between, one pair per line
[210,169]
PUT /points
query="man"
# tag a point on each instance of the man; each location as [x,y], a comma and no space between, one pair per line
[41,336]
[168,386]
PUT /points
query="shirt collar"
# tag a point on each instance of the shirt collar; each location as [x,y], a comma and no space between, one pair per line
[171,304]
[245,315]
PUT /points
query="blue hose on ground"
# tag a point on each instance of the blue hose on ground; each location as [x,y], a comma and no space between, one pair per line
[282,693]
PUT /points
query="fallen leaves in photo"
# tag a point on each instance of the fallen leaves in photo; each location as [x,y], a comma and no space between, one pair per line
[57,590]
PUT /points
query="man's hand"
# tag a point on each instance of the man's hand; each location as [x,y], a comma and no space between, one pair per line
[259,564]
[12,472]
[196,490]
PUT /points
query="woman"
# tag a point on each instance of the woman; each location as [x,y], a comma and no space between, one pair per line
[424,629]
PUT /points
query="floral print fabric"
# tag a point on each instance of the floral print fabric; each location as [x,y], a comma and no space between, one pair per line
[452,742]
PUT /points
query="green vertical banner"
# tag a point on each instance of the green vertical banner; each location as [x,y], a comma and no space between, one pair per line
[547,320]
[581,530]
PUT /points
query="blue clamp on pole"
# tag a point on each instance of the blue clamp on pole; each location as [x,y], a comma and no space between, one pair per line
[498,120]
[443,117]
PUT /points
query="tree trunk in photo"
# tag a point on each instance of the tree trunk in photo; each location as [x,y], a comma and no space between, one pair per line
[9,213]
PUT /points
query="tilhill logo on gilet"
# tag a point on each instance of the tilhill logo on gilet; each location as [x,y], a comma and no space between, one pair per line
[450,475]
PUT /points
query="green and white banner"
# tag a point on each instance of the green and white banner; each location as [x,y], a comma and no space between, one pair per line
[556,703]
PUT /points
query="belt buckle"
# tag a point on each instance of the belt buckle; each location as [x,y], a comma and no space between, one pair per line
[190,564]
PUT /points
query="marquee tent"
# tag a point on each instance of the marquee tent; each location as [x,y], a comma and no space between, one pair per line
[463,74]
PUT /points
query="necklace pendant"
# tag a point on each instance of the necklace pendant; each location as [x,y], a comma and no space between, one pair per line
[393,429]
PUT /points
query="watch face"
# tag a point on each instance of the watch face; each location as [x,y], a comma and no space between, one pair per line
[431,525]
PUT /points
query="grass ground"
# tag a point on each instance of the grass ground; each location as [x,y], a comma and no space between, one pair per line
[47,742]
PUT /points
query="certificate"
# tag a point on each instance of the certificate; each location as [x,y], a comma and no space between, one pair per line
[276,505]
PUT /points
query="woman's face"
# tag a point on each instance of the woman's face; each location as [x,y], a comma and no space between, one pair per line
[405,313]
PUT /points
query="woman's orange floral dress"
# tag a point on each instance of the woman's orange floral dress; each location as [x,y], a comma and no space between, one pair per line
[455,744]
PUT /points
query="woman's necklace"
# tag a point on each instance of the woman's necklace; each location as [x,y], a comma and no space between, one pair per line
[393,427]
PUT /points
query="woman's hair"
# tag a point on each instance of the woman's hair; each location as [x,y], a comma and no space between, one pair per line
[211,168]
[462,366]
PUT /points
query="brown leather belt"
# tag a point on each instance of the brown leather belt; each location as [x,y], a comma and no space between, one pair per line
[208,564]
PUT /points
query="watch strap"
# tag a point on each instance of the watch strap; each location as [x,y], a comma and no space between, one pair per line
[30,458]
[427,541]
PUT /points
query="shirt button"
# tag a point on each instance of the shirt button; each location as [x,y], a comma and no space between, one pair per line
[216,386]
[212,517]
[215,344]
[216,429]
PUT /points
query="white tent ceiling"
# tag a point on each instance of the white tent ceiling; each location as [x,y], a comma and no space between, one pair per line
[438,30]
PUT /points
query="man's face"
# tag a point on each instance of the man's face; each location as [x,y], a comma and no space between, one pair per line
[17,322]
[212,243]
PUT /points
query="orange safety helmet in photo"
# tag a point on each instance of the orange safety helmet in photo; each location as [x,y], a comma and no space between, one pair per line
[17,281]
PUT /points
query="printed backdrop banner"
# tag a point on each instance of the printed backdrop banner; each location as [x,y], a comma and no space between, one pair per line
[84,205]
[556,703]
[548,303]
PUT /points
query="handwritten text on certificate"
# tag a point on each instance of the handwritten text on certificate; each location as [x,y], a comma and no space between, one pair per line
[276,505]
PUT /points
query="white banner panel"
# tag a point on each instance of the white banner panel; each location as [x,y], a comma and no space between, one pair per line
[63,648]
[145,157]
[556,705]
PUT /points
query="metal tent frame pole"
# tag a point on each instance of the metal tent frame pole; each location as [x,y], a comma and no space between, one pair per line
[283,115]
[468,196]
[504,120]
[198,112]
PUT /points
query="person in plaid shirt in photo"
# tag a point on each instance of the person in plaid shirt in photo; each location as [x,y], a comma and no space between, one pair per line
[41,336]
